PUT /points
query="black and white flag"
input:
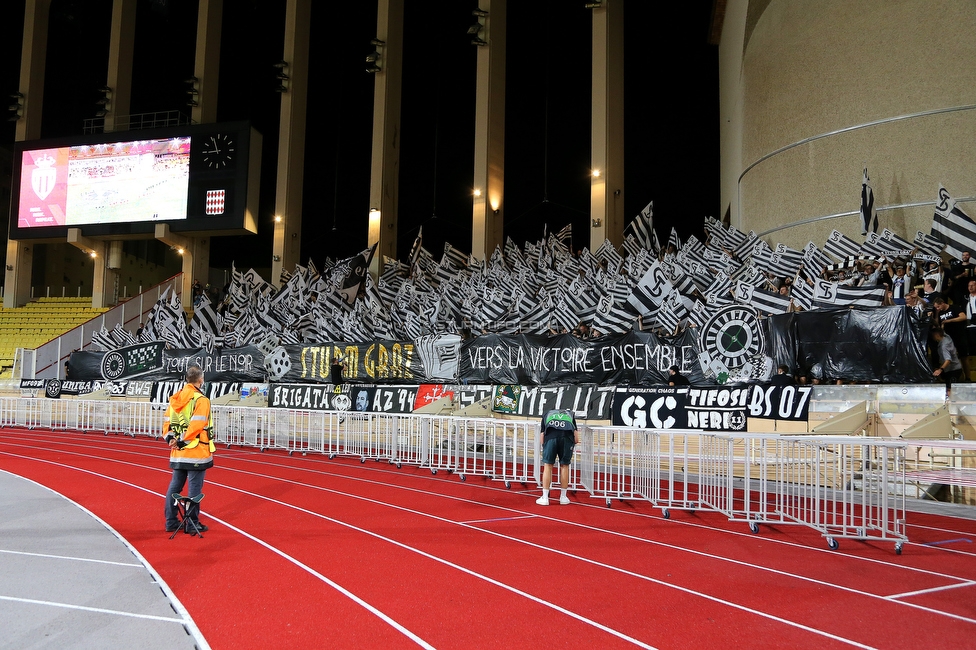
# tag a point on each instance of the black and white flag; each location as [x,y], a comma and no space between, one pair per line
[953,227]
[840,245]
[868,215]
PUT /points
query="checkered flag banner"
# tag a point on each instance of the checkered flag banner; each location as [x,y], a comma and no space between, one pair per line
[215,201]
[840,246]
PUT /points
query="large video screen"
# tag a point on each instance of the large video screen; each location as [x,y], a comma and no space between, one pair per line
[115,182]
[196,178]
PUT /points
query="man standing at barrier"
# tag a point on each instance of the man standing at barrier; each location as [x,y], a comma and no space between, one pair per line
[188,431]
[559,436]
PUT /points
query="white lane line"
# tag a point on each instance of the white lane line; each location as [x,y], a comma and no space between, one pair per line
[616,534]
[72,558]
[188,623]
[594,528]
[97,610]
[253,457]
[249,456]
[968,583]
[342,590]
[488,521]
[386,618]
[345,592]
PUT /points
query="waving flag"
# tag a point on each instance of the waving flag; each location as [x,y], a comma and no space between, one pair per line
[867,206]
[953,227]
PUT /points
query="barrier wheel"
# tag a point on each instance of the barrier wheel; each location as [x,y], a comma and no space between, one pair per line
[433,471]
[332,456]
[463,477]
[754,527]
[399,465]
[666,513]
[609,502]
[898,546]
[229,446]
[291,452]
[262,450]
[832,544]
[508,485]
[362,460]
[450,471]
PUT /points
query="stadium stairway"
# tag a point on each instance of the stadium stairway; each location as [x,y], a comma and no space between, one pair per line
[37,323]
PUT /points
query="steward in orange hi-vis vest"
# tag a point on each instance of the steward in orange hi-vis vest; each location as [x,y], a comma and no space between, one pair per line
[187,421]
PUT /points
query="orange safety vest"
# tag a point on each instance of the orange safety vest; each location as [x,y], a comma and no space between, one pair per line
[188,419]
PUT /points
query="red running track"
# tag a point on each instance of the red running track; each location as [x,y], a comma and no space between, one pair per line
[311,552]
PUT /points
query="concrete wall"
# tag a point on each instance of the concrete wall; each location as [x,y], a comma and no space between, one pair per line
[796,69]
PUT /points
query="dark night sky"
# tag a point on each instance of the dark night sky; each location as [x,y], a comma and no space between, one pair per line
[671,109]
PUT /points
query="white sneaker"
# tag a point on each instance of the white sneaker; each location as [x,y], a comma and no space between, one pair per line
[543,500]
[564,501]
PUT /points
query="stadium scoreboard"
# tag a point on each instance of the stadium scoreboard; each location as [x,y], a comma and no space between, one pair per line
[199,179]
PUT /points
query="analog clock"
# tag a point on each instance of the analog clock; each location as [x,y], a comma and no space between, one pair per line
[733,334]
[218,151]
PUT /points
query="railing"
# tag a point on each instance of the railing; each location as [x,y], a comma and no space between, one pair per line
[47,361]
[841,487]
[136,121]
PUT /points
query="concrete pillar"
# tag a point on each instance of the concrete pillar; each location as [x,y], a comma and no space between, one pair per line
[287,243]
[103,277]
[607,126]
[195,252]
[385,165]
[121,46]
[20,255]
[206,65]
[488,217]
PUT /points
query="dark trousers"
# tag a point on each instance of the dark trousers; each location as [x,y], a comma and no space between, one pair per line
[180,477]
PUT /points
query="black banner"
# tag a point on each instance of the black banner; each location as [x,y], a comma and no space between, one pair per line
[877,344]
[161,391]
[587,401]
[885,344]
[223,365]
[713,408]
[344,397]
[638,358]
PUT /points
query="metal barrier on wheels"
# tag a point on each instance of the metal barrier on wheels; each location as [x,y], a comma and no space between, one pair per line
[608,462]
[842,487]
[851,488]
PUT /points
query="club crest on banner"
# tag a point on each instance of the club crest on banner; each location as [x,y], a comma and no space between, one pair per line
[729,340]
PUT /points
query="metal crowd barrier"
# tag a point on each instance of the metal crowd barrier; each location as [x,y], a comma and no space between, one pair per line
[842,487]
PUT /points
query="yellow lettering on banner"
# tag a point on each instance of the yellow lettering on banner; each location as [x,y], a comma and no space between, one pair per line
[382,362]
[325,362]
[352,358]
[304,367]
[407,354]
[315,358]
[396,360]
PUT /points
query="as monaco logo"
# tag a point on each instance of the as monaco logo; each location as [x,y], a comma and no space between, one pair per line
[44,177]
